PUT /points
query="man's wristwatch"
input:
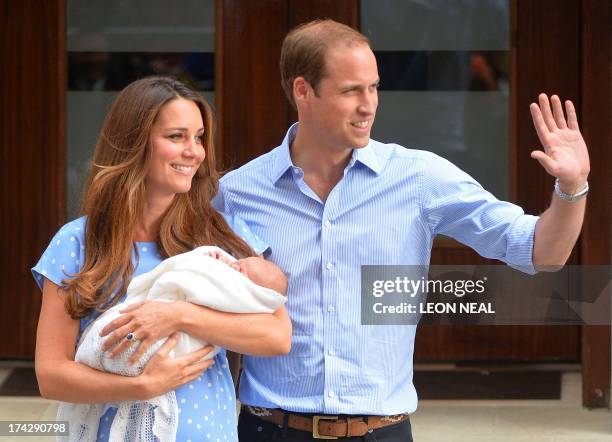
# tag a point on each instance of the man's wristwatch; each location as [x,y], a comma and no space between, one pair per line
[571,198]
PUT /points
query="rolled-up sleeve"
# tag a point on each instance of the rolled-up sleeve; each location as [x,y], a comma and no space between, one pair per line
[520,244]
[454,204]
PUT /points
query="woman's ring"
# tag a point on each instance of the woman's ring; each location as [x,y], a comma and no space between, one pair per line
[130,337]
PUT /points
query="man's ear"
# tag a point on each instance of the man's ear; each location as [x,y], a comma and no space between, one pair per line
[301,90]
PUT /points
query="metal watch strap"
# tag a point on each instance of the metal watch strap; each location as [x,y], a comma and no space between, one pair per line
[571,198]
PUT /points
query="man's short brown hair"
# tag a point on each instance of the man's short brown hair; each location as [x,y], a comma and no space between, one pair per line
[304,49]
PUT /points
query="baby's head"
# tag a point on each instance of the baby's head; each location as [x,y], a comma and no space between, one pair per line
[263,273]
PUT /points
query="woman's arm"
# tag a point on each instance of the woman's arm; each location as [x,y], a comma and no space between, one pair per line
[61,378]
[263,334]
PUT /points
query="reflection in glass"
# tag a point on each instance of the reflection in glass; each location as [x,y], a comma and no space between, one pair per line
[444,69]
[112,71]
[436,25]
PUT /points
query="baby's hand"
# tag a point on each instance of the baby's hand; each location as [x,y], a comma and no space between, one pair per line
[225,260]
[219,257]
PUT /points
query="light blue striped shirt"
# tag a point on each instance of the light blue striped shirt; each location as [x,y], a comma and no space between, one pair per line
[386,209]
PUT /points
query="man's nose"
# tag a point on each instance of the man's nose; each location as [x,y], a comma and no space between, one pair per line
[369,102]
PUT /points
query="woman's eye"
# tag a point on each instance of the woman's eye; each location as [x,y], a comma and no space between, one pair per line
[175,136]
[199,139]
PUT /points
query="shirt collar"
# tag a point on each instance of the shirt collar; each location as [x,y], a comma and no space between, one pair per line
[365,155]
[283,161]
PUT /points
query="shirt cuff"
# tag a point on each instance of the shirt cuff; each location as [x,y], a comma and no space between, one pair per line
[520,244]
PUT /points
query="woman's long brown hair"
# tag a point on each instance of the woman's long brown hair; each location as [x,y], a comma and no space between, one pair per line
[114,198]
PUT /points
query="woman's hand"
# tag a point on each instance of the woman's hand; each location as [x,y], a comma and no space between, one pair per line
[163,373]
[147,321]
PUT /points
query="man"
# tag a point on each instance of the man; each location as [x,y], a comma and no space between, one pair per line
[329,199]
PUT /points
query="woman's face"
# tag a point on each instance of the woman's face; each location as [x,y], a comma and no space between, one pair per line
[176,150]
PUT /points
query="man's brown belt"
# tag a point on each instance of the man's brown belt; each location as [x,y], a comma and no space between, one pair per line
[326,426]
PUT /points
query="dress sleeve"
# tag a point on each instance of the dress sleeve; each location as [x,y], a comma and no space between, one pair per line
[63,257]
[242,229]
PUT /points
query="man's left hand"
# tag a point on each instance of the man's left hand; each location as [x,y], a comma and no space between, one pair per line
[565,154]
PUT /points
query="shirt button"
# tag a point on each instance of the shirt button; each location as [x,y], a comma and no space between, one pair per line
[331,352]
[331,394]
[329,266]
[327,224]
[330,308]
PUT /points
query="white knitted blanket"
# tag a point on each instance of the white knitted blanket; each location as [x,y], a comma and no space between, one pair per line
[194,277]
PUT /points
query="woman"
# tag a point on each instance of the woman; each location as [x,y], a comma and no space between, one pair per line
[148,197]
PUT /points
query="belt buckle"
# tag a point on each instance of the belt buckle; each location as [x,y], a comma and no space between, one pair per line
[315,426]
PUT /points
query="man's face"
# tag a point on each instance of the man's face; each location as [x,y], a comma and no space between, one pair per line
[343,110]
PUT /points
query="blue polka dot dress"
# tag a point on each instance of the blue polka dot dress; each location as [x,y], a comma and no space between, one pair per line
[207,405]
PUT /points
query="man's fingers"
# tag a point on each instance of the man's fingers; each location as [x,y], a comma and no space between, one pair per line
[119,322]
[558,112]
[167,347]
[539,123]
[572,119]
[547,162]
[546,112]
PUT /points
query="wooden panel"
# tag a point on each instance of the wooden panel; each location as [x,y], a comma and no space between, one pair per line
[343,11]
[252,107]
[491,343]
[596,236]
[32,154]
[495,343]
[546,42]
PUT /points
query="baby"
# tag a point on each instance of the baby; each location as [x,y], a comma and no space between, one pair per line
[206,276]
